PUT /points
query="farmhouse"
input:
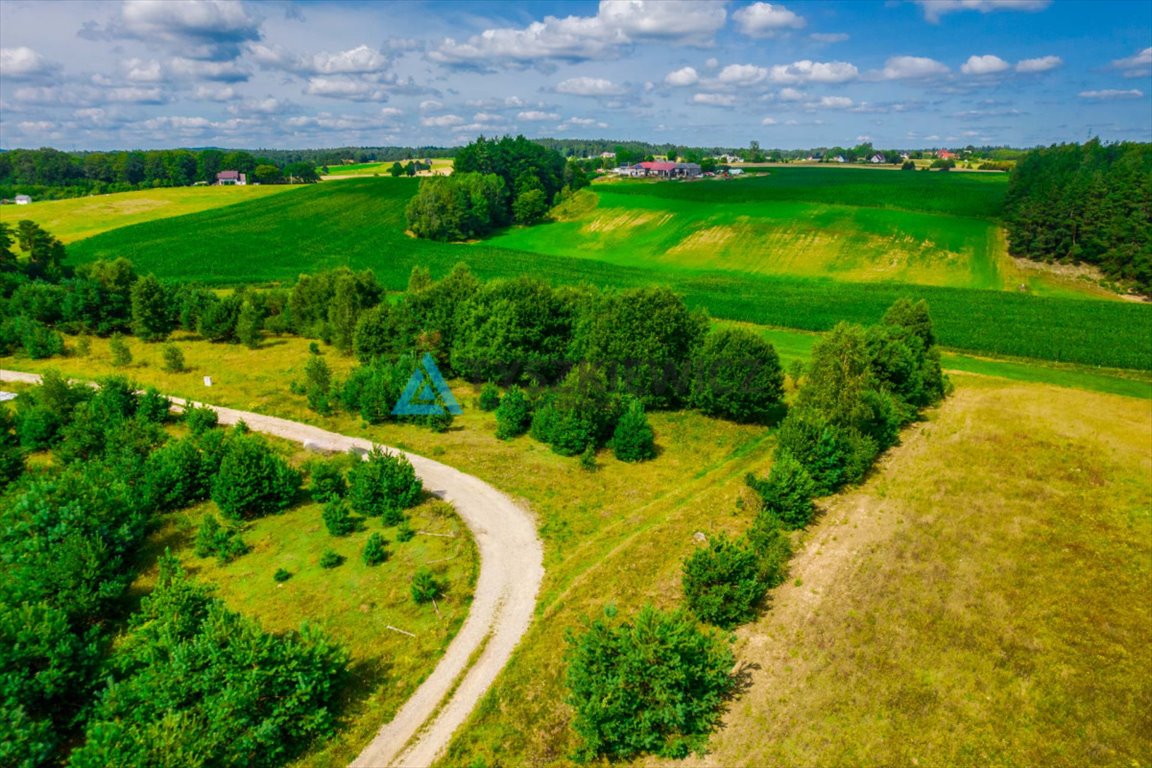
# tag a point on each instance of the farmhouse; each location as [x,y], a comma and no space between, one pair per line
[663,169]
[23,200]
[876,159]
[231,179]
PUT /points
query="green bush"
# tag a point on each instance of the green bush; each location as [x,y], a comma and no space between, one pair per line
[200,419]
[252,480]
[633,439]
[772,546]
[215,539]
[513,415]
[318,384]
[788,491]
[375,551]
[121,354]
[489,397]
[173,359]
[281,575]
[404,531]
[153,407]
[331,560]
[337,519]
[654,685]
[425,587]
[383,485]
[328,481]
[175,476]
[722,582]
[737,375]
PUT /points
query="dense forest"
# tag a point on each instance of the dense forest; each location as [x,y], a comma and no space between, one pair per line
[1085,203]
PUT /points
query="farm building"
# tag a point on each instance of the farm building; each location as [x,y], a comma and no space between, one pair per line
[231,179]
[876,159]
[664,169]
[23,200]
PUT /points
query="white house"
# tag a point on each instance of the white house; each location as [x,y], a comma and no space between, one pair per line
[876,159]
[231,179]
[23,200]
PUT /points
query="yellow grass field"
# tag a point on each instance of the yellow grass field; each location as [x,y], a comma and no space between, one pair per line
[81,217]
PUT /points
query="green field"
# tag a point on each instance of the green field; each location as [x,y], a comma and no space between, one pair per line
[81,217]
[360,223]
[931,229]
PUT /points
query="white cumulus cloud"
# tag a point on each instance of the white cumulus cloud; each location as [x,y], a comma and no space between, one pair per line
[1041,64]
[766,19]
[24,64]
[912,68]
[988,64]
[741,74]
[715,99]
[535,115]
[807,71]
[442,121]
[1135,66]
[682,77]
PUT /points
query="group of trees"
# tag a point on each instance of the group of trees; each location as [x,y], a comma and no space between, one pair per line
[657,684]
[70,540]
[581,366]
[1085,203]
[495,182]
[50,173]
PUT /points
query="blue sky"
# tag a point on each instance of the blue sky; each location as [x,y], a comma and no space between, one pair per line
[105,74]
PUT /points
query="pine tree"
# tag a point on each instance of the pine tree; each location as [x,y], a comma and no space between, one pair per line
[633,439]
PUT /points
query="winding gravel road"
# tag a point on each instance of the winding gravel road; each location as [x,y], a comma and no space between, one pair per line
[511,568]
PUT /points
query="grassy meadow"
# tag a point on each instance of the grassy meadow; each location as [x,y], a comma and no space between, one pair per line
[80,217]
[996,502]
[981,600]
[360,223]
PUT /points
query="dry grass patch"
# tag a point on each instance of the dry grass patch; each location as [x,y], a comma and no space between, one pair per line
[982,600]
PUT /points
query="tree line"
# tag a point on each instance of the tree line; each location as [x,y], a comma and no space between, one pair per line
[1085,203]
[51,174]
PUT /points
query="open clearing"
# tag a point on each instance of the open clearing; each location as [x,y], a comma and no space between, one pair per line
[81,217]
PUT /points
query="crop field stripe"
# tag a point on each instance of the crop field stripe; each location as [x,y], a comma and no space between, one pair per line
[360,223]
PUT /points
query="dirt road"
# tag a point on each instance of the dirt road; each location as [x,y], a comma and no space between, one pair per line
[511,568]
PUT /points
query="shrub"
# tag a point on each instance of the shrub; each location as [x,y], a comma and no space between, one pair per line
[722,583]
[281,575]
[121,355]
[174,476]
[151,406]
[404,531]
[772,546]
[588,459]
[173,359]
[513,415]
[330,560]
[788,491]
[633,439]
[834,456]
[489,397]
[425,587]
[656,685]
[328,480]
[318,384]
[337,519]
[374,550]
[737,375]
[384,484]
[200,419]
[215,539]
[439,422]
[252,480]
